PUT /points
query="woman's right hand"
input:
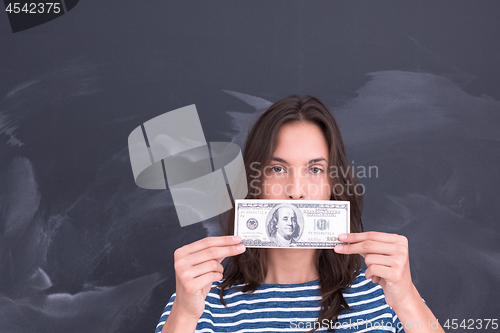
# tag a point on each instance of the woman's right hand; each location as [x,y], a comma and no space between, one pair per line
[197,266]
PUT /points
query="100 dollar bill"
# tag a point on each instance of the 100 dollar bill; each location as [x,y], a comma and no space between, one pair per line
[314,224]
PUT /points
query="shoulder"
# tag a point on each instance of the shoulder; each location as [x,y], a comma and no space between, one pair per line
[366,297]
[364,294]
[363,288]
[216,286]
[367,300]
[229,291]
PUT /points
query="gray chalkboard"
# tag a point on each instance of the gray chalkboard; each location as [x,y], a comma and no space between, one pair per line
[415,87]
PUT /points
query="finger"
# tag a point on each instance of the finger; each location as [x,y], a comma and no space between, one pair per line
[375,279]
[370,235]
[213,253]
[367,247]
[378,259]
[383,272]
[209,242]
[220,260]
[201,269]
[205,279]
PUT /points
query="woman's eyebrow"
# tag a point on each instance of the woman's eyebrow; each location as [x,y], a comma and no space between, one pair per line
[277,159]
[314,160]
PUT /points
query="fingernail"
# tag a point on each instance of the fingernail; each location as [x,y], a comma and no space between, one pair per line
[240,247]
[338,248]
[342,236]
[237,238]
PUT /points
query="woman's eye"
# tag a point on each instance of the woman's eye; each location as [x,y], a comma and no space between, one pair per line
[278,169]
[316,170]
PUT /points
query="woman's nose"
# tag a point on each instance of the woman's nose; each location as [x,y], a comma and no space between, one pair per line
[295,189]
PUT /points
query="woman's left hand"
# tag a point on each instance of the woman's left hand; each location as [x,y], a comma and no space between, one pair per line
[386,256]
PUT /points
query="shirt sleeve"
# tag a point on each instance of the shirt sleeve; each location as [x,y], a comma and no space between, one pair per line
[165,314]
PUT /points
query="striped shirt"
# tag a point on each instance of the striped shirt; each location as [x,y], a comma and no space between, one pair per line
[293,308]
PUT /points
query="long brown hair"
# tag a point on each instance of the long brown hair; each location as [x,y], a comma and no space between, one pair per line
[336,271]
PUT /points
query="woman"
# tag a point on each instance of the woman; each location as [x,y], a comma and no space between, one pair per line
[288,155]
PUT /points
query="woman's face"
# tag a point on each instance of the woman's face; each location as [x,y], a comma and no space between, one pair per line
[299,165]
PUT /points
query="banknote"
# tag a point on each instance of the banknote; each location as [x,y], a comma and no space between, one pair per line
[314,224]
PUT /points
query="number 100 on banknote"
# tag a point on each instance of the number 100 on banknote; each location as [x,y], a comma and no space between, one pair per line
[314,224]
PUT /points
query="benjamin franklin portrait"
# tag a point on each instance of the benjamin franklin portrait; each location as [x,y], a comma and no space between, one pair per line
[283,225]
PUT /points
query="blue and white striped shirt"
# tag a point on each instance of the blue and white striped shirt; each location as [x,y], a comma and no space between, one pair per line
[293,308]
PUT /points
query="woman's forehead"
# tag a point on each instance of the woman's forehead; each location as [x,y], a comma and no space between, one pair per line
[301,143]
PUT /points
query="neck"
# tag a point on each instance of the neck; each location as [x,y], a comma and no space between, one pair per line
[291,266]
